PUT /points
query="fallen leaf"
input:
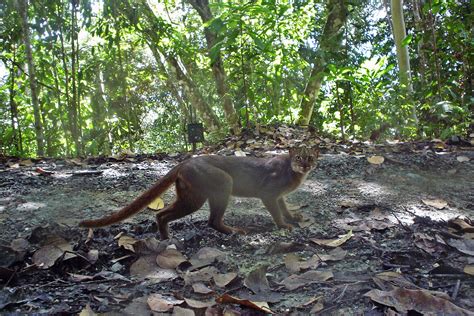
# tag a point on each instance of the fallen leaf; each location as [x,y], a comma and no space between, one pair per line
[257,281]
[199,304]
[469,269]
[170,259]
[404,300]
[222,279]
[87,311]
[180,311]
[157,204]
[20,245]
[461,225]
[150,246]
[436,203]
[284,247]
[201,288]
[26,162]
[240,153]
[463,245]
[295,281]
[208,254]
[259,306]
[55,247]
[93,256]
[317,307]
[202,275]
[146,268]
[336,254]
[160,303]
[294,263]
[333,242]
[376,160]
[127,242]
[462,158]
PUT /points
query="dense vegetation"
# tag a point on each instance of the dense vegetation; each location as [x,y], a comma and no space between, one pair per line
[95,77]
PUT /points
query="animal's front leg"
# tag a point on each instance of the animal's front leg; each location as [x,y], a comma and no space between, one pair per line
[286,213]
[274,208]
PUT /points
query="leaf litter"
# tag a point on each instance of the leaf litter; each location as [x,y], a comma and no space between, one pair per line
[381,244]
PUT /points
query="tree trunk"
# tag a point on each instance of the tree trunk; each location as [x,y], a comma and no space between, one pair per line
[22,9]
[220,77]
[74,108]
[330,41]
[16,130]
[203,109]
[399,34]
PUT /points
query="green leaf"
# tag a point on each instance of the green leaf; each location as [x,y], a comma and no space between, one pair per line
[407,40]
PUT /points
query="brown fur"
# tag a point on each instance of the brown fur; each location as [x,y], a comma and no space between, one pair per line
[215,179]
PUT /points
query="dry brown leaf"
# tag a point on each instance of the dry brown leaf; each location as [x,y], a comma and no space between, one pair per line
[201,288]
[404,300]
[87,311]
[207,255]
[295,281]
[259,306]
[26,162]
[376,160]
[160,303]
[170,259]
[55,247]
[336,254]
[461,225]
[180,311]
[146,268]
[436,203]
[463,245]
[127,242]
[333,242]
[469,269]
[199,304]
[317,307]
[257,281]
[294,263]
[222,279]
[201,275]
[284,247]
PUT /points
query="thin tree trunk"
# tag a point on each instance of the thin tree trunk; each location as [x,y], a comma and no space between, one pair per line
[404,71]
[220,77]
[22,8]
[16,130]
[74,108]
[341,112]
[330,41]
[68,136]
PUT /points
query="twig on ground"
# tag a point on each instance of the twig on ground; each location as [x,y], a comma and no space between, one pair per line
[456,289]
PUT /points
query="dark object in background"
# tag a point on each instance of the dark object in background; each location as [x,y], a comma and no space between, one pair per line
[195,134]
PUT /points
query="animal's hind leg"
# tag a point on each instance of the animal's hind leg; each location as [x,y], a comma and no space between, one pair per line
[219,196]
[187,202]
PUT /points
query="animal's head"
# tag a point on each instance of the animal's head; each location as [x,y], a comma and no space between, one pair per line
[303,159]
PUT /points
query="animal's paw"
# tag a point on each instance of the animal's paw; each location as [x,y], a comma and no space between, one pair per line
[286,226]
[238,230]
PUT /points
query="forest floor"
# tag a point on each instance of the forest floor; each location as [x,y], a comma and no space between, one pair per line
[402,238]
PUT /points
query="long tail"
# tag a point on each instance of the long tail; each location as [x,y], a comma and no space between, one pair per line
[138,204]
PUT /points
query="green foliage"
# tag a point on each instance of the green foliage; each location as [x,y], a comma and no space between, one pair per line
[142,67]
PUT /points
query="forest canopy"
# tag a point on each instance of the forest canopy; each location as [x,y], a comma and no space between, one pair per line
[96,77]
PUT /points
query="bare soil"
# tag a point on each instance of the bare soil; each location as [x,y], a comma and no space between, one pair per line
[342,187]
